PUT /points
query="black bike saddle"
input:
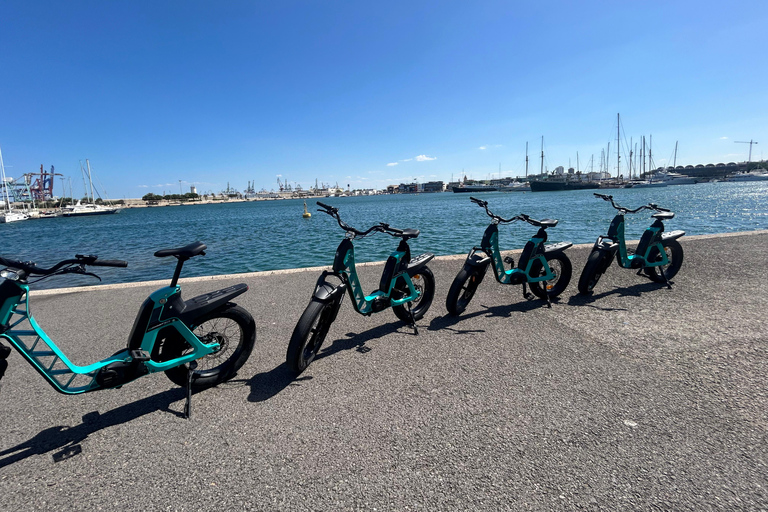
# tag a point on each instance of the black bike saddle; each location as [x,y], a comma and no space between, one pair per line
[410,233]
[663,215]
[185,252]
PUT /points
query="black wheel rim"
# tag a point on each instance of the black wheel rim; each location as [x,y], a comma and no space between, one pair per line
[224,331]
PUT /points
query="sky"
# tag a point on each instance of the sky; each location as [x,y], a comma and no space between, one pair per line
[161,95]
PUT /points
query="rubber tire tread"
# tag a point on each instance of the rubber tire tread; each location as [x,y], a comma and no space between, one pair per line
[564,278]
[453,301]
[594,269]
[208,378]
[674,265]
[428,294]
[315,311]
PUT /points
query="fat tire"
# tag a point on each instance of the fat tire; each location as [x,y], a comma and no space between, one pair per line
[420,306]
[235,330]
[542,290]
[592,272]
[674,253]
[309,334]
[463,289]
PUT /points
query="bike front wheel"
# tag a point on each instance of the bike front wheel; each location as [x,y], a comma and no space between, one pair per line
[424,282]
[463,289]
[593,271]
[308,335]
[561,266]
[233,328]
[664,273]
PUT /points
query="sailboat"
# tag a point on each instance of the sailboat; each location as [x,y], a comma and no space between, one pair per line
[8,214]
[90,208]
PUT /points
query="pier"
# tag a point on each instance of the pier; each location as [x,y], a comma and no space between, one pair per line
[636,398]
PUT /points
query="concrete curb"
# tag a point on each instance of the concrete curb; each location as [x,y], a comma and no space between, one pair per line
[256,275]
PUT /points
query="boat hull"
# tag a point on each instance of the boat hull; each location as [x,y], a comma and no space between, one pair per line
[553,186]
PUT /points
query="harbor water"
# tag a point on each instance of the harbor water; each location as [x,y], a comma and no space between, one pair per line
[270,235]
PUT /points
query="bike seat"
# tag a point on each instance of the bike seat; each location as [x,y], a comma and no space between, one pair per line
[663,215]
[548,223]
[410,233]
[185,252]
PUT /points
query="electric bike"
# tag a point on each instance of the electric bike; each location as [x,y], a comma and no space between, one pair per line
[658,254]
[407,285]
[546,268]
[198,343]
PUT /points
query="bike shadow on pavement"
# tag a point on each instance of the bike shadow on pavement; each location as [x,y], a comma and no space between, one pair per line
[67,440]
[447,322]
[636,290]
[265,385]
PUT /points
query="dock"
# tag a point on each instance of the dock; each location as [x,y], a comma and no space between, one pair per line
[638,397]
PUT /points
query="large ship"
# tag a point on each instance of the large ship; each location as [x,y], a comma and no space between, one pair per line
[475,188]
[561,182]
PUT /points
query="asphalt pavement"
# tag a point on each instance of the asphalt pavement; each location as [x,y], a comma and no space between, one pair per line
[638,397]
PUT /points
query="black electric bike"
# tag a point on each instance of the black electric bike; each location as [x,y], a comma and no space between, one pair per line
[407,286]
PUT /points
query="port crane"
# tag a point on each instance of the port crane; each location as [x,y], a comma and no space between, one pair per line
[750,142]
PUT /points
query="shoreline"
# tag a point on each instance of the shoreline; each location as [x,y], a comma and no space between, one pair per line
[264,273]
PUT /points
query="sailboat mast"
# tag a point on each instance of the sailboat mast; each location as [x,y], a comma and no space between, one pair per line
[618,146]
[674,160]
[526,160]
[542,155]
[6,199]
[90,180]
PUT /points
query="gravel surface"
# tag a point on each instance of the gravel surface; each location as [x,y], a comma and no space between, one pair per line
[636,398]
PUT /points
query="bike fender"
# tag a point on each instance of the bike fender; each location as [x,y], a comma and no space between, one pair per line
[327,292]
[203,304]
[605,244]
[418,262]
[477,260]
[672,235]
[558,247]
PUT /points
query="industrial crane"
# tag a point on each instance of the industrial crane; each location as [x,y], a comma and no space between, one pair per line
[750,142]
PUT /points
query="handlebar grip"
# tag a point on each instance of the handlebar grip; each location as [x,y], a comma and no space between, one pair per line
[324,206]
[109,263]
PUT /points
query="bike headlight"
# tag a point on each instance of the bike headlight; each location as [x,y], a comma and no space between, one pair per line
[10,274]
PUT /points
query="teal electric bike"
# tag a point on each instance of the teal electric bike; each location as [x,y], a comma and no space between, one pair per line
[198,343]
[658,254]
[407,285]
[545,268]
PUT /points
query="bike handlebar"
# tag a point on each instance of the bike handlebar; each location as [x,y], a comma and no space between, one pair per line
[501,219]
[31,267]
[381,227]
[649,206]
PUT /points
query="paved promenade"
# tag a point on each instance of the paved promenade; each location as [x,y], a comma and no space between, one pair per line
[637,398]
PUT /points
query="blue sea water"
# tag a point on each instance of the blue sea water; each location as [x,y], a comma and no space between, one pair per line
[268,235]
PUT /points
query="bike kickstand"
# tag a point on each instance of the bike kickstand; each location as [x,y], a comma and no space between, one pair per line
[666,281]
[526,294]
[190,377]
[413,320]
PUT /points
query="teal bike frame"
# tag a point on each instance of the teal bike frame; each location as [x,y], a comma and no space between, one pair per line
[163,316]
[20,328]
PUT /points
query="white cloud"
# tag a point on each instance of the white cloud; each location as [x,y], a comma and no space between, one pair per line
[483,147]
[425,158]
[143,186]
[723,138]
[392,164]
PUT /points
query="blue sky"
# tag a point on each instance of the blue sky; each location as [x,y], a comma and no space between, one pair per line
[212,93]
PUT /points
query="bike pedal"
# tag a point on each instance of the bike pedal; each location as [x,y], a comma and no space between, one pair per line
[140,355]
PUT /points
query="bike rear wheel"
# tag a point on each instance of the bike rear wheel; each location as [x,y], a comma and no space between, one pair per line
[233,328]
[463,289]
[424,282]
[675,256]
[593,271]
[308,335]
[561,267]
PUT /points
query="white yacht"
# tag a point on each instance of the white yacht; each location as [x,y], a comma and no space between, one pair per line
[8,215]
